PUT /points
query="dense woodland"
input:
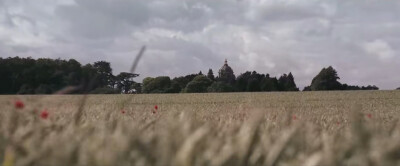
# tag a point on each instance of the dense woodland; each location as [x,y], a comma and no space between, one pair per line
[47,76]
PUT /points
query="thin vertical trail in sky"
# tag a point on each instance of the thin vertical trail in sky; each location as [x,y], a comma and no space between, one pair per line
[137,59]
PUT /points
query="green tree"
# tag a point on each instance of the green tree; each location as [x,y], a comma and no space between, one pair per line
[220,87]
[269,84]
[327,79]
[156,85]
[183,81]
[15,73]
[73,72]
[45,76]
[254,84]
[249,82]
[6,83]
[210,75]
[124,81]
[198,85]
[137,87]
[307,88]
[355,87]
[242,81]
[104,72]
[286,83]
[369,87]
[174,88]
[147,85]
[90,78]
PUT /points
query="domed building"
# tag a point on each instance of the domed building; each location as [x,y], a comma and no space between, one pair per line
[225,74]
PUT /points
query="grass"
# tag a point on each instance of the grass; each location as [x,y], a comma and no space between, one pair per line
[303,128]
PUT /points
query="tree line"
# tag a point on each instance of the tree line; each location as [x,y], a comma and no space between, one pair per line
[47,76]
[200,83]
[327,79]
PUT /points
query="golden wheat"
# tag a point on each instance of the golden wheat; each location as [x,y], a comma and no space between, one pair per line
[302,128]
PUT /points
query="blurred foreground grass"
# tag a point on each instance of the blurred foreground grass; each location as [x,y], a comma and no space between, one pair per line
[303,128]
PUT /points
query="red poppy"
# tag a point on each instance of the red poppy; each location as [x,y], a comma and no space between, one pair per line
[369,116]
[123,111]
[156,107]
[44,114]
[294,117]
[19,104]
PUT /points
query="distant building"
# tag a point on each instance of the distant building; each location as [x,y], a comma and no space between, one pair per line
[225,74]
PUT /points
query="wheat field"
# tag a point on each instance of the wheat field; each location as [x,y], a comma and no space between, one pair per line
[294,128]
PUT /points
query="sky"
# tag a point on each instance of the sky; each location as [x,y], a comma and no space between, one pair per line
[359,38]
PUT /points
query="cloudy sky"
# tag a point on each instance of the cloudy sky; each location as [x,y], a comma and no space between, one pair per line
[359,38]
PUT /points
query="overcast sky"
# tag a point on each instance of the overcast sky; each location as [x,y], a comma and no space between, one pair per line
[359,38]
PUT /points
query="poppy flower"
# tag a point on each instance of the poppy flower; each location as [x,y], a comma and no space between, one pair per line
[369,116]
[123,111]
[294,117]
[44,114]
[156,107]
[19,104]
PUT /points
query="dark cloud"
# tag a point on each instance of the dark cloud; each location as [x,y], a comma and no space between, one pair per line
[358,37]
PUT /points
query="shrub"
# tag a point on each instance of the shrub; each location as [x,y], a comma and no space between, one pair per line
[220,87]
[199,84]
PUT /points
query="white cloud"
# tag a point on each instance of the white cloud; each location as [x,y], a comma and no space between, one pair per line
[379,48]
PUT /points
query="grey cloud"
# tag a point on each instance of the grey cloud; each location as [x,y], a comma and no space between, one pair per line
[359,38]
[90,24]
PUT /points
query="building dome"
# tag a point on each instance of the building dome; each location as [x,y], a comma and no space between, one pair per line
[226,73]
[226,68]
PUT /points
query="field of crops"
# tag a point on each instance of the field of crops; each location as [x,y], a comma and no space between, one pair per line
[296,128]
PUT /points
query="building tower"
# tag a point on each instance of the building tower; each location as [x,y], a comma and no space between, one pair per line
[225,74]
